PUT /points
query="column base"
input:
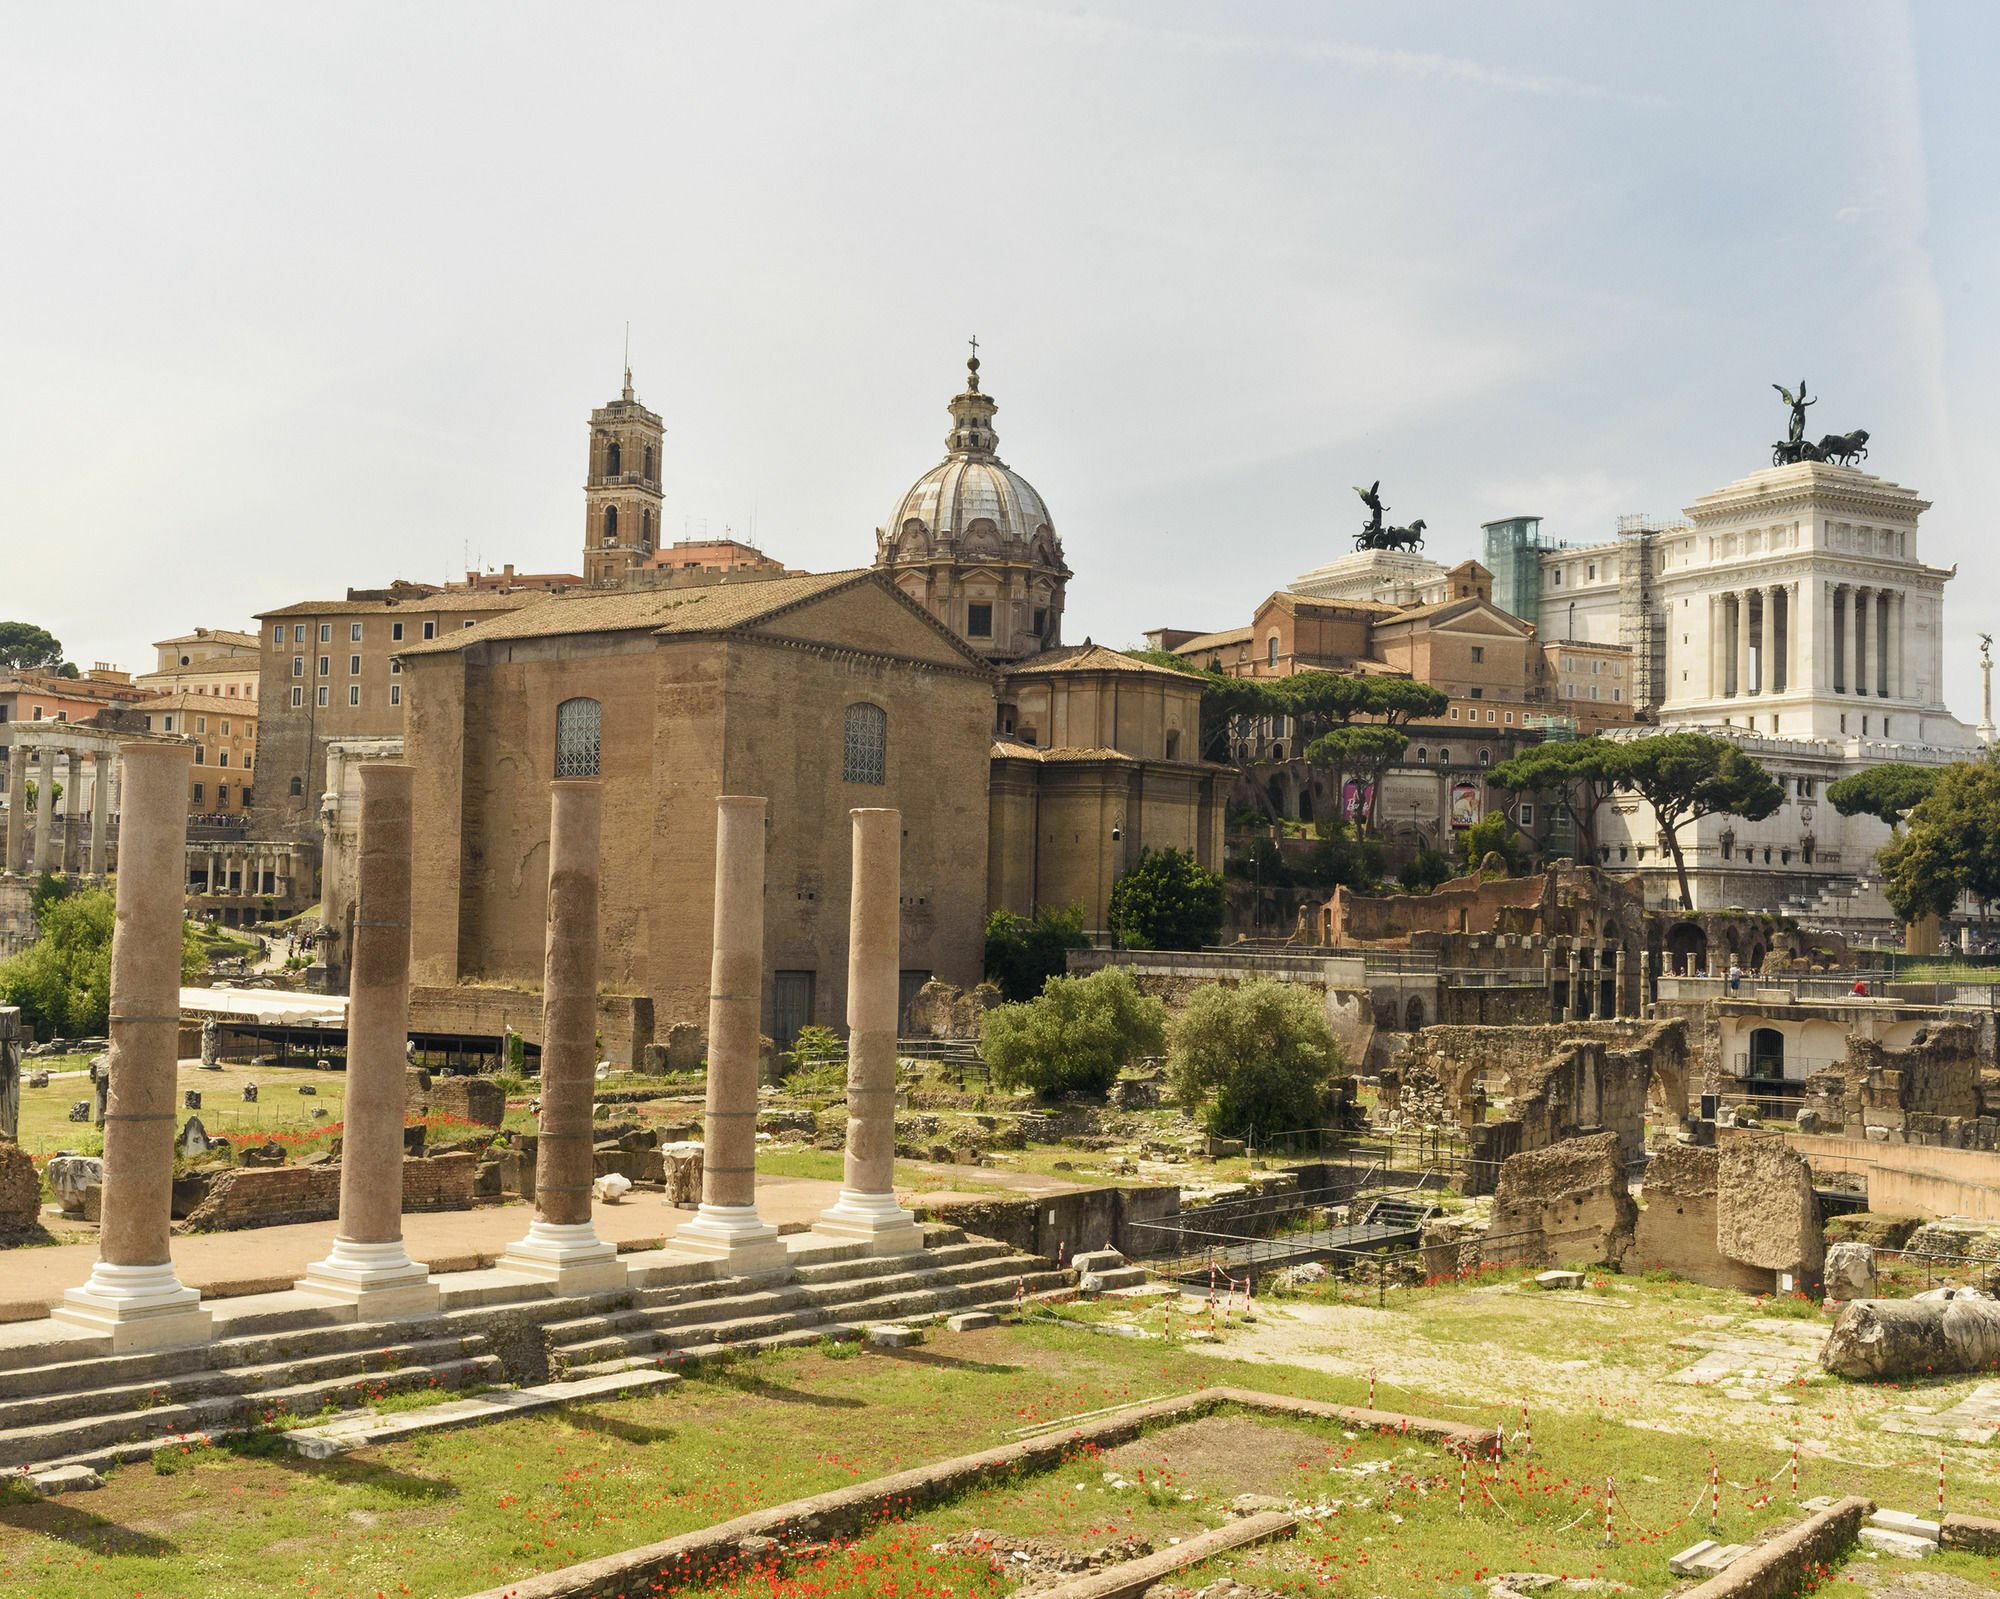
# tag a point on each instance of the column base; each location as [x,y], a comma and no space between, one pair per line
[734,1237]
[570,1257]
[380,1281]
[136,1307]
[872,1219]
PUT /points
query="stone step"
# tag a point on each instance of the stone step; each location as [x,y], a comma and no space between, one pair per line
[502,1404]
[73,1438]
[357,1362]
[1097,1282]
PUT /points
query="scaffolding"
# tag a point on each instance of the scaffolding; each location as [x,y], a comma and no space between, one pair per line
[1642,623]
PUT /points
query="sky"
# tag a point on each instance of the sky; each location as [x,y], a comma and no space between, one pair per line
[303,298]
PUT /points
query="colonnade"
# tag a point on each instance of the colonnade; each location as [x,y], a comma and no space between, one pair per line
[1815,637]
[256,870]
[134,1297]
[48,851]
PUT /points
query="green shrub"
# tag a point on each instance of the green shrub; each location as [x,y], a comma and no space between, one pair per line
[62,981]
[1252,1060]
[1167,901]
[1023,954]
[1073,1038]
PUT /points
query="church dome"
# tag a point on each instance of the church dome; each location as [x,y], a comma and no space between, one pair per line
[971,502]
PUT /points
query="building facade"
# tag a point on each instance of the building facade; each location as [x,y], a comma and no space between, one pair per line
[329,670]
[222,780]
[819,693]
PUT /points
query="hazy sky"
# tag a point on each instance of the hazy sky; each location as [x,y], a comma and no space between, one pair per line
[303,297]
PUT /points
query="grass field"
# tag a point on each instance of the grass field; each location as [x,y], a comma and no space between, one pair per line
[451,1514]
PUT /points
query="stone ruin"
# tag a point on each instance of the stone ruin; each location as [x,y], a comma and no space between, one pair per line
[941,1010]
[20,1192]
[1742,1217]
[1938,1089]
[1568,1203]
[1559,1081]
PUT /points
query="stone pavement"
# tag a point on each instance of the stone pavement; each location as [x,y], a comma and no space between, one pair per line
[269,1259]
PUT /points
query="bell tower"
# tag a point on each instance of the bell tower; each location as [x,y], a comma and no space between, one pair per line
[621,494]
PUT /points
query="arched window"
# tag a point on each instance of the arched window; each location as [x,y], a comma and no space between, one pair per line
[646,526]
[1444,757]
[1485,756]
[1271,650]
[864,750]
[1423,755]
[649,463]
[611,524]
[1173,744]
[612,459]
[298,787]
[578,722]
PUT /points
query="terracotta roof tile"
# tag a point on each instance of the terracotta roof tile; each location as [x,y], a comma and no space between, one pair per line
[442,604]
[1087,658]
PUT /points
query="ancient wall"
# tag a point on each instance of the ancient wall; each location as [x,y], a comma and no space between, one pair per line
[1574,1195]
[1677,1223]
[624,1021]
[1633,1058]
[1516,1005]
[1463,905]
[275,1196]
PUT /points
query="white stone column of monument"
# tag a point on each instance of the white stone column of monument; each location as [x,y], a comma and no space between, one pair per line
[368,1267]
[1740,645]
[100,813]
[562,1246]
[17,805]
[1712,686]
[867,1211]
[1837,615]
[1885,616]
[1858,604]
[45,814]
[1902,683]
[133,1298]
[727,1228]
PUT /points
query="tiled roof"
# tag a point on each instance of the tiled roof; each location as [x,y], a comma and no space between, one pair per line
[214,635]
[442,603]
[1210,641]
[1088,658]
[246,709]
[716,608]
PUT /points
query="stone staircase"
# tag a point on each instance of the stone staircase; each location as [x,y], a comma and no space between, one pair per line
[275,1356]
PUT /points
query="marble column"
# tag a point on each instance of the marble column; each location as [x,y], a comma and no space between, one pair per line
[1576,1011]
[1713,680]
[1623,992]
[1740,644]
[727,1228]
[867,1211]
[1885,607]
[100,813]
[1857,602]
[133,1299]
[17,805]
[46,859]
[368,1268]
[562,1246]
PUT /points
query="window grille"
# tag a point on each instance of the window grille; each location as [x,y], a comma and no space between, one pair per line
[578,724]
[863,755]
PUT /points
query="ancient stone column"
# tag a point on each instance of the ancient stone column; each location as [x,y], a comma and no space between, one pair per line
[133,1298]
[1624,989]
[562,1247]
[867,1211]
[100,813]
[46,857]
[727,1228]
[17,806]
[368,1267]
[1577,1010]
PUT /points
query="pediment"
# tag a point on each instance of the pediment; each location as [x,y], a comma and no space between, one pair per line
[869,617]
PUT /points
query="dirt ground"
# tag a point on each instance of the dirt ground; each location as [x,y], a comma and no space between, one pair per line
[1223,1456]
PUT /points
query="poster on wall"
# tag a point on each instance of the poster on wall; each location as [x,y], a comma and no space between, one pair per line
[1355,799]
[1464,804]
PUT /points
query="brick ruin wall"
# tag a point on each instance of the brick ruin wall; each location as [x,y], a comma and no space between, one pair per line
[276,1196]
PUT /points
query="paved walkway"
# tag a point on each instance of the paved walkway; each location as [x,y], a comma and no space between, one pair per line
[267,1259]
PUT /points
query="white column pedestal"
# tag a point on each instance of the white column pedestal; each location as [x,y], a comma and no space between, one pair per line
[872,1219]
[569,1257]
[380,1281]
[734,1237]
[136,1307]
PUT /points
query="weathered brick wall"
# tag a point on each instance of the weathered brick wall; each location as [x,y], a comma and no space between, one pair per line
[277,1196]
[1521,1005]
[1574,1196]
[1677,1230]
[472,1099]
[20,1191]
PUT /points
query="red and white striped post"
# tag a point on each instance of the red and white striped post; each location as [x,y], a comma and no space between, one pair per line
[1795,1468]
[1609,1488]
[1940,1493]
[1527,1434]
[1461,1483]
[1714,1496]
[1371,1387]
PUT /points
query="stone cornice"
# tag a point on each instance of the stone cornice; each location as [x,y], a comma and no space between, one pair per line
[848,652]
[1805,565]
[1892,504]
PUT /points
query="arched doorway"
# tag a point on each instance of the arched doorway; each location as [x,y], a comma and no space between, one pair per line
[1305,802]
[1686,949]
[1413,1014]
[1767,1055]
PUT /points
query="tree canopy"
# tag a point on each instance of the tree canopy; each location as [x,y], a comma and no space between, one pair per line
[1493,835]
[1022,953]
[32,648]
[1949,843]
[1074,1036]
[62,981]
[1252,1060]
[1580,773]
[1167,901]
[1889,791]
[1686,776]
[1364,750]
